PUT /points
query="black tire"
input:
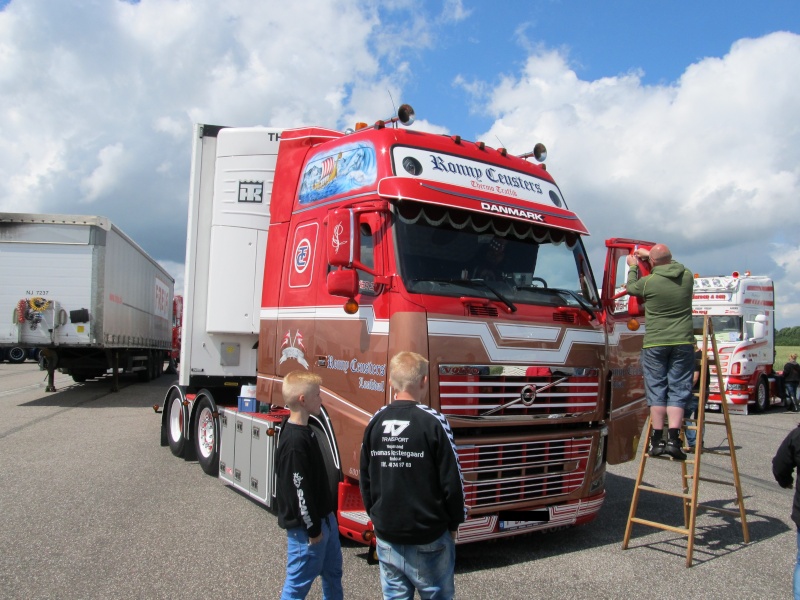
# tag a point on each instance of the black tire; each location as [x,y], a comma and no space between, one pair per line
[17,355]
[79,377]
[206,436]
[762,395]
[175,422]
[334,475]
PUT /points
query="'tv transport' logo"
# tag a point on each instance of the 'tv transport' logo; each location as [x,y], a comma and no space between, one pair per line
[395,428]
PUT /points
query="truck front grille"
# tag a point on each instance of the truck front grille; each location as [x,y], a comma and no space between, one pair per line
[498,474]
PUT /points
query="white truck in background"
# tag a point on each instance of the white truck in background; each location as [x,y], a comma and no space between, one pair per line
[85,294]
[742,310]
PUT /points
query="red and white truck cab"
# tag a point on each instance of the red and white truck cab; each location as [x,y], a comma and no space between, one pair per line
[742,310]
[325,251]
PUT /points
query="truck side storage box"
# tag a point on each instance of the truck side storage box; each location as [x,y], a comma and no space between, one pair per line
[247,450]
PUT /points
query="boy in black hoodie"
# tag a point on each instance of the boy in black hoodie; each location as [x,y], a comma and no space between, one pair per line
[305,506]
[411,486]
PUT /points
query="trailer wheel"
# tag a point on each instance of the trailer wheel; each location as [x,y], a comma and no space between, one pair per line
[175,424]
[334,476]
[205,439]
[17,355]
[762,395]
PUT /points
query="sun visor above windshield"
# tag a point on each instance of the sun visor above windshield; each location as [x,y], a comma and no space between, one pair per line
[480,201]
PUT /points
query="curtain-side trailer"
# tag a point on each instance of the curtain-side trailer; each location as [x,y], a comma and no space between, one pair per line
[85,294]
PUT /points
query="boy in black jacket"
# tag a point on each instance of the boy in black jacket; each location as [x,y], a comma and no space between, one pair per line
[411,486]
[786,460]
[305,506]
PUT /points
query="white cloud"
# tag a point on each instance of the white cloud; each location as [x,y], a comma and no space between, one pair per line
[97,100]
[106,177]
[709,165]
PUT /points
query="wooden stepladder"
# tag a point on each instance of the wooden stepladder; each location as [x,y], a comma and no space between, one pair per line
[691,480]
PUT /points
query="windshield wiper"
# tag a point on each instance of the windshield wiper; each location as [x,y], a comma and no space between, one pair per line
[472,283]
[585,304]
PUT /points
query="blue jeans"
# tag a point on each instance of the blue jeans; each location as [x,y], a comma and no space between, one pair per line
[668,373]
[426,567]
[305,562]
[691,411]
[791,393]
[796,580]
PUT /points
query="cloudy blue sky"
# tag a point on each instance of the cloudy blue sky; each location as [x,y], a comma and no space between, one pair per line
[671,121]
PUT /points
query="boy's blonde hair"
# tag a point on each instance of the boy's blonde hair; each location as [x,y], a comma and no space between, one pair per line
[298,383]
[406,370]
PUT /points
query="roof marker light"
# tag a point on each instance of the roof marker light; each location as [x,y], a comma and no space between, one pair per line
[735,274]
[480,145]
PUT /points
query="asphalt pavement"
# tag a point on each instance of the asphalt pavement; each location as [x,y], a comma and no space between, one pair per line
[91,506]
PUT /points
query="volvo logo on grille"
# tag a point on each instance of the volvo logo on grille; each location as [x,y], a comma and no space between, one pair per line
[528,395]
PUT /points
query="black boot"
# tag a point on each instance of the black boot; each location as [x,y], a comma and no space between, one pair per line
[657,443]
[673,446]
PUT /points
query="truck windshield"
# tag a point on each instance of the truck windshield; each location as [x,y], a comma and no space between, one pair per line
[726,327]
[450,252]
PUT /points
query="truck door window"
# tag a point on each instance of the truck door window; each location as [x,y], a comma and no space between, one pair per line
[366,281]
[621,303]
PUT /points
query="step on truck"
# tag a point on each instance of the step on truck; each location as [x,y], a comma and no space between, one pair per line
[85,294]
[742,311]
[331,251]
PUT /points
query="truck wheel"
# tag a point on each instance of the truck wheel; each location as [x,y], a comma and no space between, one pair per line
[79,377]
[175,424]
[762,395]
[17,355]
[205,439]
[334,476]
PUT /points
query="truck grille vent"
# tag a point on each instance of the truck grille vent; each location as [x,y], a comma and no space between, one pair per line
[471,390]
[507,473]
[482,311]
[563,317]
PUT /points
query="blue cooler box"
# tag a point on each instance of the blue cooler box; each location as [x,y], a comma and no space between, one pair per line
[247,405]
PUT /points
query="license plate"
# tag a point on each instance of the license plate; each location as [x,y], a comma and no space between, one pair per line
[508,525]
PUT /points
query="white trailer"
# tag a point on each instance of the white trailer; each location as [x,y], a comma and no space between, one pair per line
[84,293]
[742,310]
[229,218]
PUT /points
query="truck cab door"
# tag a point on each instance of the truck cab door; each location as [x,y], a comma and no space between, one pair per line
[351,347]
[626,406]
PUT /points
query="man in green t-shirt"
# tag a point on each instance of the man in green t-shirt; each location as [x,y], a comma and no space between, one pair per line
[669,343]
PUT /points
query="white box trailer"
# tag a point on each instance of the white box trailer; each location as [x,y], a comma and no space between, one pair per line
[84,293]
[228,222]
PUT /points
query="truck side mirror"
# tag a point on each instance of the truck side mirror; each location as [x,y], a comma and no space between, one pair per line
[760,328]
[343,238]
[343,282]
